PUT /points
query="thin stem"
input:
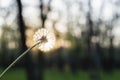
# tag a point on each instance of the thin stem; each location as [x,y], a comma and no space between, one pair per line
[13,63]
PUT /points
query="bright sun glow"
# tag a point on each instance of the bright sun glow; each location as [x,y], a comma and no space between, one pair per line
[46,38]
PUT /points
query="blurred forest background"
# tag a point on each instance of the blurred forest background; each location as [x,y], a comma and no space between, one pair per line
[87,39]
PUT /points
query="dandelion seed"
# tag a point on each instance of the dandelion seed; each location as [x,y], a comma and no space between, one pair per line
[46,38]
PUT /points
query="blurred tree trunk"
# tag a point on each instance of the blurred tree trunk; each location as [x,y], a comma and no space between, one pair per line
[4,48]
[43,15]
[44,11]
[92,54]
[28,62]
[111,58]
[40,64]
[111,54]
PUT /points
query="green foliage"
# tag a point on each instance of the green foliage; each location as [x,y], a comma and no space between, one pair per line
[14,74]
[55,74]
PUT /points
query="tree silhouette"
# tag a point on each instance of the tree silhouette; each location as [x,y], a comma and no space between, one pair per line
[92,47]
[28,61]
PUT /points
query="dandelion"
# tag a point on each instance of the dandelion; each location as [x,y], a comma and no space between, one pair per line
[45,41]
[46,38]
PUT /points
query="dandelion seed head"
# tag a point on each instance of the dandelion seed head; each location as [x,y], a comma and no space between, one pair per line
[46,39]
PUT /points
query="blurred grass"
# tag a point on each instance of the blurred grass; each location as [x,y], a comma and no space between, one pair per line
[55,74]
[115,75]
[14,74]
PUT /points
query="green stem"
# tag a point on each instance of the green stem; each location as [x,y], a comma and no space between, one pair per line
[17,59]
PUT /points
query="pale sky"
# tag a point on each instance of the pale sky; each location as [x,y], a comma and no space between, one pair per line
[31,12]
